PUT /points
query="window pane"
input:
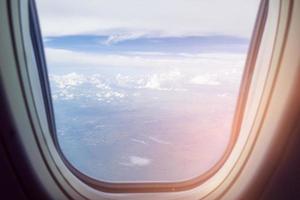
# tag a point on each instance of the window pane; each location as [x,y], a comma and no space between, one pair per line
[142,90]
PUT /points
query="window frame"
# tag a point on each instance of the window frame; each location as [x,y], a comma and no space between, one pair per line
[156,186]
[141,187]
[48,164]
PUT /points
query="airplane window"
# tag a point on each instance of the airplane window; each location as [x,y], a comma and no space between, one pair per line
[145,91]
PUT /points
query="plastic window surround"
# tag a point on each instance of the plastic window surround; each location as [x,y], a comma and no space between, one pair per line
[139,187]
[57,178]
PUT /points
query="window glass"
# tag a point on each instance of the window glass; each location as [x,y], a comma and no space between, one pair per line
[145,91]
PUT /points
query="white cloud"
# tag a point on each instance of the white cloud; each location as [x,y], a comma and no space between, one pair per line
[157,140]
[162,73]
[155,17]
[204,80]
[139,141]
[166,81]
[209,69]
[73,85]
[68,80]
[156,81]
[67,87]
[153,83]
[115,38]
[136,161]
[139,161]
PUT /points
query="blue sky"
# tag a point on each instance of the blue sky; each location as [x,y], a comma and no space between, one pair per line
[170,45]
[170,32]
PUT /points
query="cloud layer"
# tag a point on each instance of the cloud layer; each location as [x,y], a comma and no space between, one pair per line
[68,58]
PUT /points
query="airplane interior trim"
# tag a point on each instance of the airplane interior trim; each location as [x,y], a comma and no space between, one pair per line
[262,160]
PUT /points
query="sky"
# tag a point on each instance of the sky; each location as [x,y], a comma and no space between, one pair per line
[133,32]
[158,35]
[129,19]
